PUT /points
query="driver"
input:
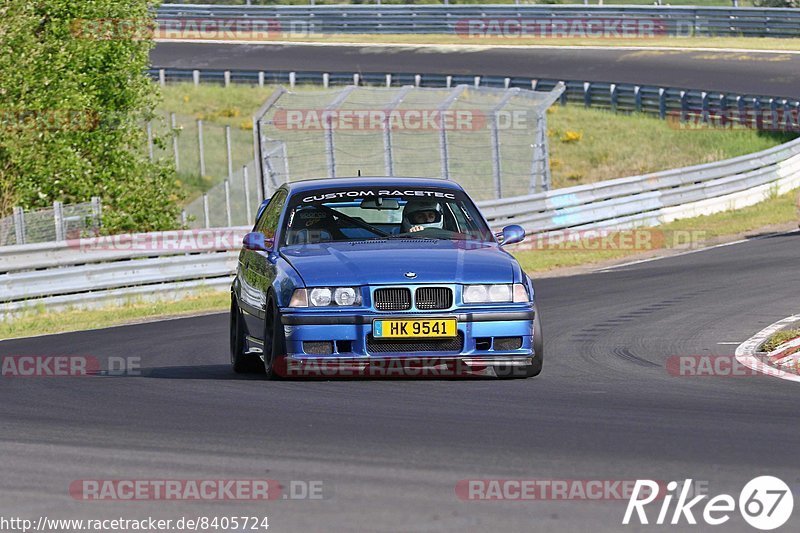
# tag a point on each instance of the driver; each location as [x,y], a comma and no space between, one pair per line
[421,214]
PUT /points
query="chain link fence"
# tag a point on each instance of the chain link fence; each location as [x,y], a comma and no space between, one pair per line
[492,141]
[58,223]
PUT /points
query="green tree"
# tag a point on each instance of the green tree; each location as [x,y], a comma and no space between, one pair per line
[74,96]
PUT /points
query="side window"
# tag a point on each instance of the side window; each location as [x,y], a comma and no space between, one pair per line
[268,223]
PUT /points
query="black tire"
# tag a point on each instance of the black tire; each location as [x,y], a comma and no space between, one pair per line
[275,337]
[533,369]
[241,363]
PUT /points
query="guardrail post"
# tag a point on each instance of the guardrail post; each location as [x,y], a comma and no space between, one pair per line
[741,108]
[612,89]
[704,106]
[757,112]
[684,107]
[563,99]
[176,156]
[58,220]
[417,80]
[448,81]
[662,102]
[356,79]
[196,77]
[261,78]
[246,184]
[206,217]
[162,78]
[506,82]
[477,81]
[723,109]
[587,94]
[326,79]
[227,185]
[227,77]
[773,114]
[637,98]
[19,224]
[228,151]
[388,80]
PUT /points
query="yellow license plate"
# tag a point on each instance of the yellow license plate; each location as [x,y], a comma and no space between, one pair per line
[415,328]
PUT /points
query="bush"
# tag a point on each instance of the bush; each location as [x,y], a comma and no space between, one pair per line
[776,3]
[74,98]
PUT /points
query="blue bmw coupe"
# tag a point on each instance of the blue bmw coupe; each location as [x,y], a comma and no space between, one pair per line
[363,273]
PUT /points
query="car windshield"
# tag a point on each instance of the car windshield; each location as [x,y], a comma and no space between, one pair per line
[359,213]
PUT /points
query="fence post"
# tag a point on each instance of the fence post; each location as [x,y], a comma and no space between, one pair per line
[723,109]
[201,152]
[587,94]
[174,123]
[228,202]
[58,220]
[540,165]
[19,224]
[443,148]
[97,211]
[330,151]
[495,136]
[704,107]
[150,153]
[741,107]
[246,183]
[662,102]
[206,217]
[757,112]
[388,152]
[684,107]
[183,218]
[228,151]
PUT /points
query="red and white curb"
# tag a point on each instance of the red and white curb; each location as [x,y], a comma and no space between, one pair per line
[746,352]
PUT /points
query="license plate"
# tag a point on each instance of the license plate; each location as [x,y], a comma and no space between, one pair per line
[415,328]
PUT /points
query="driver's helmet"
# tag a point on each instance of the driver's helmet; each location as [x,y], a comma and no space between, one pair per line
[425,213]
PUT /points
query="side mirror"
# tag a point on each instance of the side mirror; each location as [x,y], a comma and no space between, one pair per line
[255,241]
[512,234]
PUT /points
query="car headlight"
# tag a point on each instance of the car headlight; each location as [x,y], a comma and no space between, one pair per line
[326,296]
[496,293]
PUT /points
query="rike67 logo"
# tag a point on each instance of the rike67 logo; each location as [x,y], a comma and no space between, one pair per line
[765,503]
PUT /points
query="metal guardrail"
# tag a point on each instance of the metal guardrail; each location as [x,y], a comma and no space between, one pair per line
[100,270]
[651,99]
[684,21]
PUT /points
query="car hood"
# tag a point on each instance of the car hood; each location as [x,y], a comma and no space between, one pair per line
[387,262]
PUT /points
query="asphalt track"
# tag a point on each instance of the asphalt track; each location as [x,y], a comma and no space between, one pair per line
[390,452]
[758,73]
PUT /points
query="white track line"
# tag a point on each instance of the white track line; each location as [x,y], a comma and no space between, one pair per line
[469,47]
[745,353]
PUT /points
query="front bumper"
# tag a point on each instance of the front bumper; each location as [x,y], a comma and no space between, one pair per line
[349,335]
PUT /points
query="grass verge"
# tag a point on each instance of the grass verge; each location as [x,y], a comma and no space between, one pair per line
[779,338]
[40,322]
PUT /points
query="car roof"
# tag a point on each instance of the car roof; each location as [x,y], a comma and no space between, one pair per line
[370,181]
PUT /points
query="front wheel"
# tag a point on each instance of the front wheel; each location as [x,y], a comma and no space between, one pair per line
[274,342]
[241,363]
